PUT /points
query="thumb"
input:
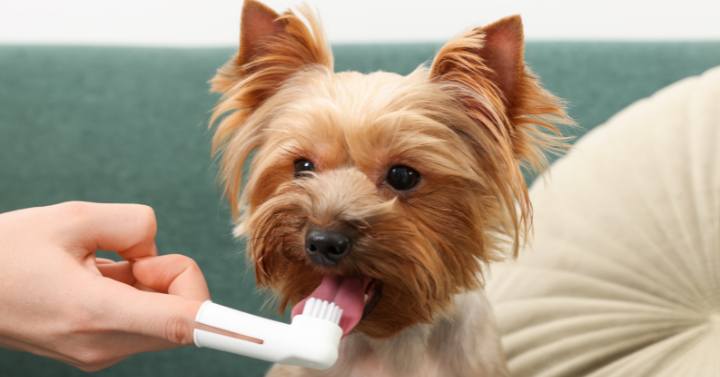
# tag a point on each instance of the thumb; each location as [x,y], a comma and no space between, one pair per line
[175,274]
[169,312]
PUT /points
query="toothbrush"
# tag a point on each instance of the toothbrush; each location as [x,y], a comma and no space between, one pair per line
[311,340]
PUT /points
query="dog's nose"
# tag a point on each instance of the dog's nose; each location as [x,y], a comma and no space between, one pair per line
[326,247]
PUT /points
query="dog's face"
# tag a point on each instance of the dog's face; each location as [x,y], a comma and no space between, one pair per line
[385,193]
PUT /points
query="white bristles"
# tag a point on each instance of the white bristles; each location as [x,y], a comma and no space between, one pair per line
[322,309]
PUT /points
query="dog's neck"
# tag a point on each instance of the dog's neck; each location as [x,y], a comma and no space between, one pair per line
[462,341]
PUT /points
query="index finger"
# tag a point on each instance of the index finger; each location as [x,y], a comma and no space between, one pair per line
[128,229]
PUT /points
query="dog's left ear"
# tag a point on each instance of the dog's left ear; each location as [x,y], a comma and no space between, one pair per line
[487,63]
[493,52]
[514,118]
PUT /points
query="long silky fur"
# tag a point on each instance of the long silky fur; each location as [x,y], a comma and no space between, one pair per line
[466,123]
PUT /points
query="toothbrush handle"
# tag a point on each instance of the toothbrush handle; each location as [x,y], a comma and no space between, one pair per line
[259,337]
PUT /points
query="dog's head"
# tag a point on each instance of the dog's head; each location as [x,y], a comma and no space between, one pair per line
[382,192]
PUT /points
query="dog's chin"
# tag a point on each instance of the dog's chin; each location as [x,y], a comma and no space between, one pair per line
[357,296]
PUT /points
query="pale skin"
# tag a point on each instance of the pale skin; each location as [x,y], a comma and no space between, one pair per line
[58,300]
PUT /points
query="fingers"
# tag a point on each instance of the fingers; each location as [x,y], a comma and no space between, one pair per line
[128,229]
[120,271]
[169,312]
[162,316]
[174,274]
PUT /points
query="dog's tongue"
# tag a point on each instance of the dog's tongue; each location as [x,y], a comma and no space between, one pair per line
[346,292]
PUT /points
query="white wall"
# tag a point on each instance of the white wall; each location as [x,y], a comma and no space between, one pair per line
[215,22]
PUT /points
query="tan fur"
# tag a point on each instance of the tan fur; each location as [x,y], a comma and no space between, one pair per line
[288,47]
[467,125]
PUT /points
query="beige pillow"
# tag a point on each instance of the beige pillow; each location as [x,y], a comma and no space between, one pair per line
[623,275]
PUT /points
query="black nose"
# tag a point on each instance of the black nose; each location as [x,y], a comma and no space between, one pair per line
[326,247]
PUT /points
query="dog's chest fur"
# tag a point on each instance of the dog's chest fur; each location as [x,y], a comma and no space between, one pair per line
[462,343]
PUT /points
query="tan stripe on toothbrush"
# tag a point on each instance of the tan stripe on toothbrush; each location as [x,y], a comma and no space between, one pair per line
[223,332]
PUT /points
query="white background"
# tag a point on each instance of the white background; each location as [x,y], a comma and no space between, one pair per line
[215,22]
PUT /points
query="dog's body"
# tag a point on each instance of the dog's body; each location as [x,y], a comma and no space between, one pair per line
[383,193]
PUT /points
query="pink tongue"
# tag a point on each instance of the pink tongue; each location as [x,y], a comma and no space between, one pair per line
[347,292]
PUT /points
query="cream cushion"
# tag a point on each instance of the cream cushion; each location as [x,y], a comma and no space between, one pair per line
[622,277]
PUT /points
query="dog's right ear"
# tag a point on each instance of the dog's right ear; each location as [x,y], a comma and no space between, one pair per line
[257,23]
[272,48]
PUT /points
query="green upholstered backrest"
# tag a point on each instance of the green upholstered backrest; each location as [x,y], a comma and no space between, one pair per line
[130,125]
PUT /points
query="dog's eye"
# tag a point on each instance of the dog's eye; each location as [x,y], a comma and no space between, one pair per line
[402,177]
[303,165]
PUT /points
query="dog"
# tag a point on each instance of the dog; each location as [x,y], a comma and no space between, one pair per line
[387,194]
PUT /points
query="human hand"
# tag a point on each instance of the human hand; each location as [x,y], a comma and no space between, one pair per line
[57,300]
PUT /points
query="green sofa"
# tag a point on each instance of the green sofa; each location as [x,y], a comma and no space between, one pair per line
[130,125]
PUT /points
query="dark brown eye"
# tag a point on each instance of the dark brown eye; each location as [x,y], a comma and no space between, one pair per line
[402,177]
[302,165]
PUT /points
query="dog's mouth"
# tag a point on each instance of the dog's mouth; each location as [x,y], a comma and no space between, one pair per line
[356,296]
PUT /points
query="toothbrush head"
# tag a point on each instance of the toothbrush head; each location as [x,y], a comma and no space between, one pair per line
[322,309]
[318,330]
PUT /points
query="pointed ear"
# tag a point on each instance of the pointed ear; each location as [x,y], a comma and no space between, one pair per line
[257,23]
[490,54]
[503,54]
[282,43]
[488,64]
[273,48]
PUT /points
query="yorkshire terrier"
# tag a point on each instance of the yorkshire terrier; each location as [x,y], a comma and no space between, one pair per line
[386,194]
